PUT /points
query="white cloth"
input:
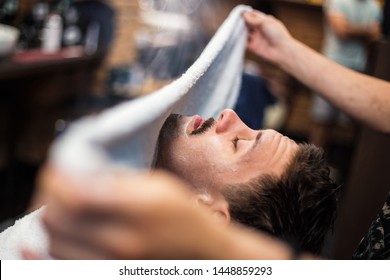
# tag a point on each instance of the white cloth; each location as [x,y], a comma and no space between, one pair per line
[126,135]
[27,232]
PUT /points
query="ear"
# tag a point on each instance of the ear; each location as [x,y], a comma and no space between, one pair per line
[218,206]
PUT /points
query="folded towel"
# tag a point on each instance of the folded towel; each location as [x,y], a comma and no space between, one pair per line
[126,135]
[27,232]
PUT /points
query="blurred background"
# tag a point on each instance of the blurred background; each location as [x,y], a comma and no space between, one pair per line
[63,59]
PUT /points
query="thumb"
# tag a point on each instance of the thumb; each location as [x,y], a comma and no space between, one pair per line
[254,18]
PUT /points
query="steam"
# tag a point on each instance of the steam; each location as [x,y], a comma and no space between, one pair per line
[171,37]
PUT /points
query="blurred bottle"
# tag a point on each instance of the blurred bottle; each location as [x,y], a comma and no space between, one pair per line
[51,25]
[91,43]
[72,34]
[8,11]
[52,32]
[32,25]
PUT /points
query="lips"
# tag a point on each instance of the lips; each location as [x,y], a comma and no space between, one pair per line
[198,121]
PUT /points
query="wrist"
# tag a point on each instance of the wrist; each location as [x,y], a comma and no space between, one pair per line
[247,244]
[289,54]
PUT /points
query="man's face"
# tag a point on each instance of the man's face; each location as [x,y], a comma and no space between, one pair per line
[210,153]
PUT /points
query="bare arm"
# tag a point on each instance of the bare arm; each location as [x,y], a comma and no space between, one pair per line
[142,216]
[363,97]
[344,29]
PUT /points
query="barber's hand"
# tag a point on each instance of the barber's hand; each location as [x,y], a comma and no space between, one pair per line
[123,215]
[268,37]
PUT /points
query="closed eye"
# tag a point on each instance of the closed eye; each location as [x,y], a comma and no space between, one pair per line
[235,141]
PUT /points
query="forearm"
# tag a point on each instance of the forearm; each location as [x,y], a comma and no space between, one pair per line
[363,97]
[244,244]
[362,32]
[339,24]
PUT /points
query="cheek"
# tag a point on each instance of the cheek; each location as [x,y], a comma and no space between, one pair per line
[204,155]
[186,157]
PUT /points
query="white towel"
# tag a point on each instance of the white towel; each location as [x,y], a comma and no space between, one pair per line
[27,232]
[126,135]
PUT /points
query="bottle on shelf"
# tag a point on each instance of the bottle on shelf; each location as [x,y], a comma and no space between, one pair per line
[72,34]
[32,25]
[8,11]
[52,32]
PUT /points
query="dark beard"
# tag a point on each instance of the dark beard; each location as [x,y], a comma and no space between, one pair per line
[168,132]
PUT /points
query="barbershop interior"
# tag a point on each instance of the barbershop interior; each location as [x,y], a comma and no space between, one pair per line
[62,61]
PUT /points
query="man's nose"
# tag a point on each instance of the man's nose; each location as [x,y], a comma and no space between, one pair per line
[229,121]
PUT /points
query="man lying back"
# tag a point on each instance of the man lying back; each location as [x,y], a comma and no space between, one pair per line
[261,179]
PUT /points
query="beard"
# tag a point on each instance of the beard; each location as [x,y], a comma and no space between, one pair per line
[168,133]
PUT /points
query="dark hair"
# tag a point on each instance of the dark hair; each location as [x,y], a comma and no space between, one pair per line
[299,207]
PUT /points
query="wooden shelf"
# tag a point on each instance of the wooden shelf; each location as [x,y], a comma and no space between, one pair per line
[35,63]
[300,3]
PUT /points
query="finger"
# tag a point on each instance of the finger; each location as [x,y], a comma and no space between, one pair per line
[108,190]
[112,221]
[83,239]
[77,192]
[69,237]
[64,247]
[28,254]
[254,18]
